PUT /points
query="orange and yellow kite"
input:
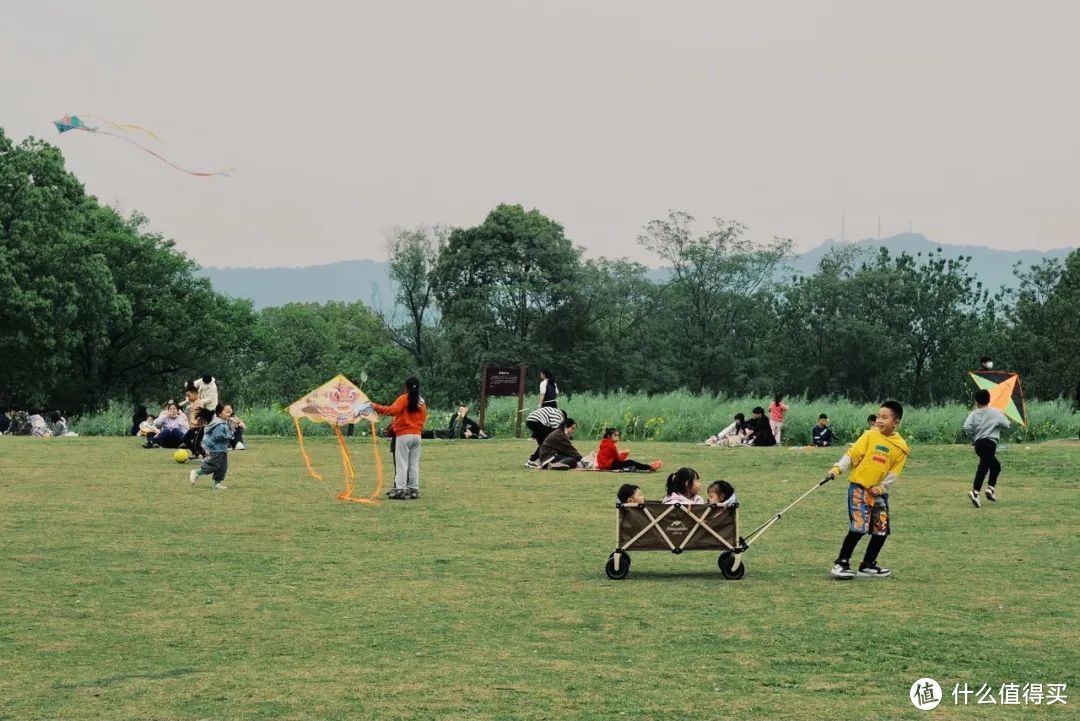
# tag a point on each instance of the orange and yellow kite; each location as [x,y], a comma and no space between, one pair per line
[340,403]
[1005,393]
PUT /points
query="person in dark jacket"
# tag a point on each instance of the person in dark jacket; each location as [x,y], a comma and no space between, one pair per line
[823,435]
[557,452]
[762,430]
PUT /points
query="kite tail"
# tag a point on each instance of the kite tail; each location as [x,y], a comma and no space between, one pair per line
[307,459]
[124,127]
[378,462]
[163,159]
[350,474]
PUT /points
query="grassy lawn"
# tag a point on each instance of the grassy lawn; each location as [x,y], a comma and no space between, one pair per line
[127,594]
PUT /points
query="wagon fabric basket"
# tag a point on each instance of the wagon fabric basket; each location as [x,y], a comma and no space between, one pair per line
[655,526]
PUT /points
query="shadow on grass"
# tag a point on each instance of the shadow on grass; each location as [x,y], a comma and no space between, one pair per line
[110,680]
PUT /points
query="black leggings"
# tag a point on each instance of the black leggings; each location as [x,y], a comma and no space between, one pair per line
[539,433]
[630,465]
[193,441]
[986,449]
[872,550]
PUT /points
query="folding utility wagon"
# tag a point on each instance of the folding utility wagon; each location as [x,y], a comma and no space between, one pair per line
[655,526]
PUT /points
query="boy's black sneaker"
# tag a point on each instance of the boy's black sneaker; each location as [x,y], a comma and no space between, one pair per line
[874,571]
[973,496]
[842,572]
[991,494]
[396,493]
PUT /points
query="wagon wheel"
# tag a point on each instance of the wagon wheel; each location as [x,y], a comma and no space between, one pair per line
[623,570]
[728,568]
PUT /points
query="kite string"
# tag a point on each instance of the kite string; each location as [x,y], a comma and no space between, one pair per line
[162,158]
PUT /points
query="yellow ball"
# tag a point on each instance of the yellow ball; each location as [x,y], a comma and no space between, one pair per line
[180,456]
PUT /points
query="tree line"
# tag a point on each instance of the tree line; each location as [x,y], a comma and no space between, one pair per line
[96,308]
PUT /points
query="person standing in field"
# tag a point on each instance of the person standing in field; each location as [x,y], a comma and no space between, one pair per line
[549,390]
[541,423]
[777,409]
[876,461]
[410,414]
[984,425]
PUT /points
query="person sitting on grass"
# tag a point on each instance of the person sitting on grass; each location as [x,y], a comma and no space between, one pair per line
[58,425]
[760,430]
[871,421]
[610,458]
[19,422]
[733,435]
[629,493]
[557,452]
[823,435]
[171,425]
[683,487]
[236,425]
[722,493]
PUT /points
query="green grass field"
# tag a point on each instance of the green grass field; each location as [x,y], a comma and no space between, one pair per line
[127,594]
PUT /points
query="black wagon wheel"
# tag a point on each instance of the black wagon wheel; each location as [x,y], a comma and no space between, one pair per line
[622,571]
[728,568]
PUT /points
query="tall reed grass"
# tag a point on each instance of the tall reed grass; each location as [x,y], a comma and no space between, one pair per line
[678,416]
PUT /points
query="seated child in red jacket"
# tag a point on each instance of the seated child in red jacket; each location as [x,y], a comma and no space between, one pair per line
[610,458]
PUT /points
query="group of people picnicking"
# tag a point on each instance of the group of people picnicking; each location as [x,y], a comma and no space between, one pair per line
[199,424]
[16,421]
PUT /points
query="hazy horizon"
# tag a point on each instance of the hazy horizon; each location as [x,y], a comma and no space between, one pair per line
[345,120]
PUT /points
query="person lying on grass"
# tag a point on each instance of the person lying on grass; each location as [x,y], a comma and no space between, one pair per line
[610,458]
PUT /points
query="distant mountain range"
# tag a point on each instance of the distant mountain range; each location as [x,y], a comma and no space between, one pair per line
[369,280]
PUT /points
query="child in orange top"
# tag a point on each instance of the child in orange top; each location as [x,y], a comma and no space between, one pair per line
[410,414]
[610,458]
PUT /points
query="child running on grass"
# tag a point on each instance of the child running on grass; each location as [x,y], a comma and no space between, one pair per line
[984,425]
[216,441]
[878,459]
[610,458]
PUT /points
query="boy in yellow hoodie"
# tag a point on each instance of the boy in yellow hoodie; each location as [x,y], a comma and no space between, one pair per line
[878,459]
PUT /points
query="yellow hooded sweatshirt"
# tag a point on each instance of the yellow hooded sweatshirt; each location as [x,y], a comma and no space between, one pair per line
[877,459]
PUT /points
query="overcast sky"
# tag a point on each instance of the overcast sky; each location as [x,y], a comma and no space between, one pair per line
[344,119]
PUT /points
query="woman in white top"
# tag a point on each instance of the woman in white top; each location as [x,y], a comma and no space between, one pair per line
[548,390]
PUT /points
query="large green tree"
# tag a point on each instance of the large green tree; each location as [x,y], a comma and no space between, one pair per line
[1044,341]
[719,288]
[95,308]
[506,291]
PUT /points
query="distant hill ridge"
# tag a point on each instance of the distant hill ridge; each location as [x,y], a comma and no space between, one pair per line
[369,280]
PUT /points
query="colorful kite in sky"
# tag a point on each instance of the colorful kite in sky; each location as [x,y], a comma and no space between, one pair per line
[339,403]
[1005,393]
[76,122]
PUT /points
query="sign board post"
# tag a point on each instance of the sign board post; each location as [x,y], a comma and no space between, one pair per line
[503,382]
